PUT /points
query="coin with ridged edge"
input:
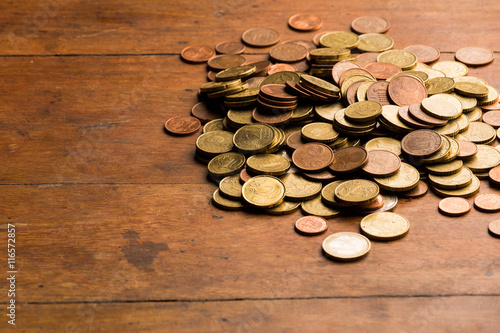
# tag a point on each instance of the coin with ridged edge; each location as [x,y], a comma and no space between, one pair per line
[311,225]
[356,191]
[421,143]
[346,246]
[263,191]
[385,226]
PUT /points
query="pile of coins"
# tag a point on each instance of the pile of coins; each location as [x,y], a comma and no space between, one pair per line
[344,123]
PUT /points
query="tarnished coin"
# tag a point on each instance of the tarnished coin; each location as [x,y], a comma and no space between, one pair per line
[494,228]
[312,156]
[255,138]
[382,70]
[421,143]
[451,69]
[182,125]
[356,191]
[230,48]
[305,22]
[260,37]
[346,246]
[384,226]
[197,53]
[369,24]
[454,206]
[288,52]
[474,56]
[205,112]
[406,90]
[349,159]
[382,163]
[263,191]
[311,225]
[487,202]
[225,61]
[424,53]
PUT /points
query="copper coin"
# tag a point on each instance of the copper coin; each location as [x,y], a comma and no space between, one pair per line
[494,175]
[375,204]
[280,68]
[495,106]
[494,228]
[415,111]
[417,192]
[206,112]
[424,53]
[244,176]
[230,48]
[305,22]
[492,118]
[352,71]
[294,140]
[421,143]
[382,70]
[197,53]
[211,75]
[488,202]
[311,225]
[288,52]
[349,159]
[382,163]
[340,68]
[369,24]
[366,58]
[297,89]
[323,176]
[312,156]
[454,206]
[403,115]
[406,90]
[466,149]
[254,82]
[309,45]
[182,125]
[351,92]
[261,67]
[225,61]
[277,91]
[318,36]
[260,37]
[377,92]
[474,56]
[274,119]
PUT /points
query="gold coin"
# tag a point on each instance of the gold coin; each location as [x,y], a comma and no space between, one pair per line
[441,154]
[486,158]
[431,73]
[472,79]
[385,226]
[341,122]
[213,125]
[215,142]
[385,143]
[228,91]
[297,188]
[317,208]
[475,114]
[280,78]
[331,53]
[468,103]
[268,164]
[234,73]
[328,195]
[255,138]
[389,117]
[405,179]
[443,169]
[226,164]
[471,89]
[230,187]
[362,90]
[451,69]
[286,207]
[373,42]
[454,181]
[480,133]
[465,192]
[225,203]
[403,59]
[356,191]
[240,117]
[339,40]
[326,112]
[319,132]
[319,84]
[211,87]
[303,111]
[363,112]
[247,95]
[454,150]
[439,85]
[346,246]
[440,107]
[463,123]
[450,129]
[492,97]
[263,191]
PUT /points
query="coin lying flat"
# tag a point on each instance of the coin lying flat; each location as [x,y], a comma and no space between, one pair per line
[424,53]
[370,24]
[474,56]
[405,179]
[311,225]
[297,188]
[260,37]
[225,203]
[305,22]
[421,143]
[197,53]
[382,163]
[349,159]
[454,206]
[384,226]
[182,125]
[494,228]
[487,202]
[263,191]
[356,191]
[312,156]
[317,208]
[346,246]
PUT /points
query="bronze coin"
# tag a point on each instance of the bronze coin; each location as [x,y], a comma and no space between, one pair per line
[366,58]
[211,75]
[225,61]
[318,36]
[492,118]
[382,70]
[305,22]
[294,140]
[466,149]
[352,71]
[349,159]
[206,112]
[197,53]
[309,45]
[182,125]
[421,143]
[406,90]
[254,82]
[260,37]
[230,48]
[288,52]
[261,67]
[382,163]
[474,56]
[495,106]
[297,89]
[277,91]
[454,206]
[274,119]
[377,92]
[351,92]
[424,53]
[403,115]
[494,228]
[280,68]
[340,68]
[375,204]
[370,24]
[488,202]
[244,176]
[274,102]
[313,157]
[415,111]
[311,225]
[315,93]
[417,192]
[323,176]
[494,175]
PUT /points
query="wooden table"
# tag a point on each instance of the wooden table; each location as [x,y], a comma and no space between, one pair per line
[115,230]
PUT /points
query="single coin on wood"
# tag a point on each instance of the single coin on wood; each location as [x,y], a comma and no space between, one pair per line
[182,125]
[260,37]
[474,56]
[454,206]
[424,53]
[494,228]
[311,225]
[494,175]
[487,202]
[230,48]
[305,22]
[197,53]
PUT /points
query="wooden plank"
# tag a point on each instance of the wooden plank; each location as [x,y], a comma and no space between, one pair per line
[166,242]
[129,27]
[380,314]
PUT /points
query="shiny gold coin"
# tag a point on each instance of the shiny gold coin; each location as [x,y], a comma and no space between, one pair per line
[403,59]
[465,192]
[213,125]
[454,150]
[280,78]
[263,191]
[463,123]
[317,208]
[451,69]
[405,179]
[441,154]
[373,42]
[326,112]
[431,73]
[228,91]
[330,53]
[226,164]
[450,129]
[297,188]
[452,182]
[319,132]
[339,39]
[230,187]
[385,226]
[286,207]
[492,97]
[225,203]
[475,114]
[215,142]
[444,169]
[240,117]
[486,158]
[439,85]
[440,108]
[268,164]
[328,195]
[468,103]
[389,144]
[234,73]
[255,138]
[362,90]
[224,61]
[346,246]
[363,112]
[472,79]
[356,191]
[319,84]
[211,87]
[249,94]
[480,133]
[343,123]
[390,119]
[471,89]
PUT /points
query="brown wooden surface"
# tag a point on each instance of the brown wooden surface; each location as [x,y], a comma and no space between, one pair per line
[115,228]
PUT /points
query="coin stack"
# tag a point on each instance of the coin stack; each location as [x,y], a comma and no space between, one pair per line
[353,135]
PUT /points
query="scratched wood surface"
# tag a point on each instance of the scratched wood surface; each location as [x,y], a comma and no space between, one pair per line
[115,228]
